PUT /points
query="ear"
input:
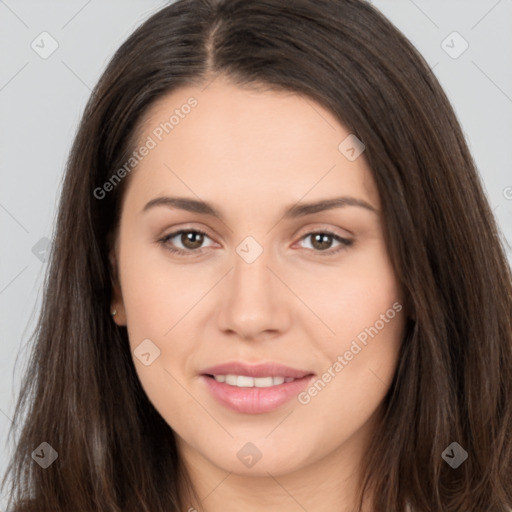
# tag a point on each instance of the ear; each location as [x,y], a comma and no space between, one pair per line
[117,303]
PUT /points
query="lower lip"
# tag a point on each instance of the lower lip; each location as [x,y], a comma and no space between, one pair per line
[255,400]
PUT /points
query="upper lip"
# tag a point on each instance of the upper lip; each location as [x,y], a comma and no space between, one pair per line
[256,370]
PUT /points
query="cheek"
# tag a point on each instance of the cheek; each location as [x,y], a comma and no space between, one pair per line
[356,295]
[157,294]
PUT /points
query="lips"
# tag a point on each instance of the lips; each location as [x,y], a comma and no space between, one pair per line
[254,389]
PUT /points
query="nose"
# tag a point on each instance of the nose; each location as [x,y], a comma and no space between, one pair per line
[255,303]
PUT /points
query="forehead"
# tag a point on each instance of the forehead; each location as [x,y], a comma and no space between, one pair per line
[222,138]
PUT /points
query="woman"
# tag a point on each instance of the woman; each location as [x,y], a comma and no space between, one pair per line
[276,283]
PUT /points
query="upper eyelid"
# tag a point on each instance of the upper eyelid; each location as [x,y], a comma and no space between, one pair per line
[318,227]
[178,231]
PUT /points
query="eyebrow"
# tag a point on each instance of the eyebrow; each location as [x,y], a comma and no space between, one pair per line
[295,211]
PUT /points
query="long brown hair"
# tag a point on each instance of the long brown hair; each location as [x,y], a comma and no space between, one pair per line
[453,382]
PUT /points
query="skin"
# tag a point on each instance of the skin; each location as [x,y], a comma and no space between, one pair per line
[252,154]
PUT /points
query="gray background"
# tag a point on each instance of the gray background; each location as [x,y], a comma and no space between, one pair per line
[41,101]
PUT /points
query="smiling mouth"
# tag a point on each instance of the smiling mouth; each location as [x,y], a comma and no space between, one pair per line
[250,388]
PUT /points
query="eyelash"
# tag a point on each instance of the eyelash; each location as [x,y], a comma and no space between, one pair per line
[345,243]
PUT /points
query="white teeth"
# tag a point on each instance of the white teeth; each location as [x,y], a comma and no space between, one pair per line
[232,380]
[243,381]
[263,382]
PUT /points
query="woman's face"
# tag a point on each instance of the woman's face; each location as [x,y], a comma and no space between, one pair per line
[300,330]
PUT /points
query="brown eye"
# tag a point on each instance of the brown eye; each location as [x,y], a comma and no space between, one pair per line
[185,241]
[322,241]
[192,239]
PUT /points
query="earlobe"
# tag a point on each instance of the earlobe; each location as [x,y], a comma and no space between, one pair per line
[117,308]
[117,312]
